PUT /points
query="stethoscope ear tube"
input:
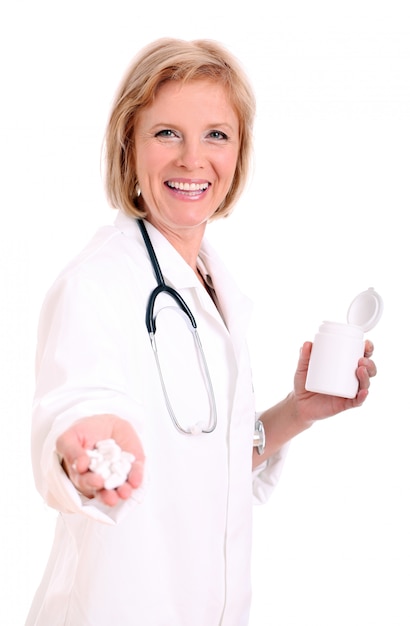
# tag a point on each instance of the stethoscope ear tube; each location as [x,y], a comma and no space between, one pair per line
[151,252]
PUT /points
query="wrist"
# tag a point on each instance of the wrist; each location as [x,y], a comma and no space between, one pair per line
[300,423]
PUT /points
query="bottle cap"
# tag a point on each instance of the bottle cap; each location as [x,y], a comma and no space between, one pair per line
[365,310]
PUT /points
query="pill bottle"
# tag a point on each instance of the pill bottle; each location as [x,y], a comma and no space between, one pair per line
[337,348]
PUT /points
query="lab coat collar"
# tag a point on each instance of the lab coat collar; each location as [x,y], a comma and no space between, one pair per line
[174,268]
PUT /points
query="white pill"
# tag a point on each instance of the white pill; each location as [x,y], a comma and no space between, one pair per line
[111,462]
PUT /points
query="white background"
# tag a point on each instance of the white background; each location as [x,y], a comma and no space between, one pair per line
[326,216]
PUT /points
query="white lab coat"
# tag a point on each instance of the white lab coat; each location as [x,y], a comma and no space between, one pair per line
[178,553]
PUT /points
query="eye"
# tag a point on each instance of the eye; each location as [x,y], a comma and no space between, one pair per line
[166,132]
[218,135]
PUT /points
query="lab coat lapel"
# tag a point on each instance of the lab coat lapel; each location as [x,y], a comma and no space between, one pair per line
[235,307]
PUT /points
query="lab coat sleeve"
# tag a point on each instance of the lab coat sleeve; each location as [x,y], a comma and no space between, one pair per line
[80,362]
[266,476]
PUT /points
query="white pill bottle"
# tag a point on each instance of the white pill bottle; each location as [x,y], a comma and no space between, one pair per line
[337,348]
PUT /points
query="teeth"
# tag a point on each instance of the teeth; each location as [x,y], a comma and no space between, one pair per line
[187,186]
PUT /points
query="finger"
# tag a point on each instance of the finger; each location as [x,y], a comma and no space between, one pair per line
[125,491]
[108,497]
[85,481]
[304,356]
[88,482]
[368,348]
[364,384]
[363,376]
[136,474]
[369,365]
[361,397]
[305,351]
[81,464]
[73,454]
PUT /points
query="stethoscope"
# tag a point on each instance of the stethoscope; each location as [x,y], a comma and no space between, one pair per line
[150,321]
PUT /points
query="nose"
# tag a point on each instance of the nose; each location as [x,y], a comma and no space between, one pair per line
[191,154]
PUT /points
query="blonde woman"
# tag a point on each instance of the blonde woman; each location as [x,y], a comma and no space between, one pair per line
[142,343]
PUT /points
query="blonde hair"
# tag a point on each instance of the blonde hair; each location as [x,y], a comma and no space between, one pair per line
[161,61]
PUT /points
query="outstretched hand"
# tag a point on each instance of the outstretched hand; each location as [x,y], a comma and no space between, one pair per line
[83,435]
[314,406]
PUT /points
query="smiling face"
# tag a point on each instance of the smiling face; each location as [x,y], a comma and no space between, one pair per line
[186,151]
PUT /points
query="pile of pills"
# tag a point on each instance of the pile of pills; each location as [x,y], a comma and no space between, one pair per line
[111,462]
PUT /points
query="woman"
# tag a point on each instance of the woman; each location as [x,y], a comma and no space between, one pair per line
[170,546]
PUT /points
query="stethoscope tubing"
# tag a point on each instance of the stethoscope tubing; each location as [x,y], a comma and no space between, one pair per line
[162,287]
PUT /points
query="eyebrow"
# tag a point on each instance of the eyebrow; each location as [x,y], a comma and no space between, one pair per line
[209,126]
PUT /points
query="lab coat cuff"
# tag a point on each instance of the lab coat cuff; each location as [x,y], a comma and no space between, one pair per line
[266,476]
[63,496]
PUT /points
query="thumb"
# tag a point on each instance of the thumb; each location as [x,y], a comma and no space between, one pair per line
[71,450]
[302,366]
[304,357]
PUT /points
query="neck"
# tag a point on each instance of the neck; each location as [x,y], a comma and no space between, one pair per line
[187,242]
